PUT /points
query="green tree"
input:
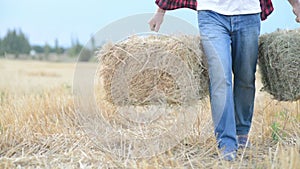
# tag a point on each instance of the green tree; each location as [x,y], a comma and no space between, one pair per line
[93,42]
[85,55]
[47,50]
[75,49]
[1,49]
[58,50]
[15,43]
[24,43]
[38,49]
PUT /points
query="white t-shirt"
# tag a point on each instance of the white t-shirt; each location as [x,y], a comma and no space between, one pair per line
[230,7]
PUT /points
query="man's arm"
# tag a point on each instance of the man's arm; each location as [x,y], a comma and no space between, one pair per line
[157,20]
[296,8]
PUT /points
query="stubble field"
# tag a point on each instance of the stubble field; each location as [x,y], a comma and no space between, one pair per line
[39,128]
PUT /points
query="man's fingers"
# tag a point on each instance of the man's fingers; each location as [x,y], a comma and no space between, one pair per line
[157,28]
[156,21]
[152,27]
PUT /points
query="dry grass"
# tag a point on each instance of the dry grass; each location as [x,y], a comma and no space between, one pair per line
[39,129]
[167,64]
[279,59]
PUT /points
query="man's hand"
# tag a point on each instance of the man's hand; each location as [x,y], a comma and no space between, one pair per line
[296,9]
[156,20]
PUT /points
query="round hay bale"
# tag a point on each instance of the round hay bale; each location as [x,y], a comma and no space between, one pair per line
[279,60]
[153,69]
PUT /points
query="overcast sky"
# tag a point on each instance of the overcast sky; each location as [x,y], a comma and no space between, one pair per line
[45,20]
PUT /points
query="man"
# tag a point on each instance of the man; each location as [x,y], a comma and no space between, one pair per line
[229,33]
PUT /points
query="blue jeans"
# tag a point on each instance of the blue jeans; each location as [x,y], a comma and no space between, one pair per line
[230,44]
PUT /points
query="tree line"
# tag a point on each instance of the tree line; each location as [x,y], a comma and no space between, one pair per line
[16,43]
